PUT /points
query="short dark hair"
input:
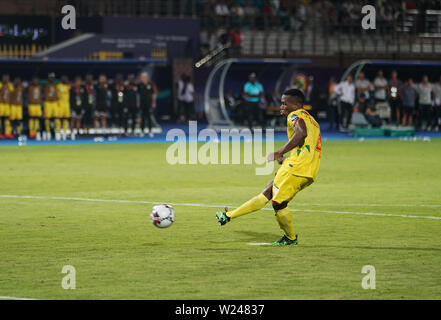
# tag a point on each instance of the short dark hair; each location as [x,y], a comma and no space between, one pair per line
[296,93]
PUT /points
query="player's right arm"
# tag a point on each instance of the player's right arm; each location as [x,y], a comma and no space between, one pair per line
[298,138]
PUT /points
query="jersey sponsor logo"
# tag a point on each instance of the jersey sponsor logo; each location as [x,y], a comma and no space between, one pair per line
[294,118]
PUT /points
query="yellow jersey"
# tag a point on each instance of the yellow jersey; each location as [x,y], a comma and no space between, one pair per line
[5,92]
[63,92]
[304,161]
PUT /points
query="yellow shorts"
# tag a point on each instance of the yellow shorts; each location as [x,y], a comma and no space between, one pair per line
[16,112]
[34,110]
[51,109]
[5,109]
[286,185]
[64,109]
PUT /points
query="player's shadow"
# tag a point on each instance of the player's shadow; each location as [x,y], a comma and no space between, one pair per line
[259,236]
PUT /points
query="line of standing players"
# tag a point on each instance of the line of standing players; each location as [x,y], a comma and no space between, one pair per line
[56,109]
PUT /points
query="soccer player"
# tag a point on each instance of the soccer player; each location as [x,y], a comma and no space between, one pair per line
[16,114]
[6,89]
[51,108]
[34,106]
[63,89]
[298,170]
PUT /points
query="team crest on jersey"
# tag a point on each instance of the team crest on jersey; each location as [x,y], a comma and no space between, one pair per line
[293,118]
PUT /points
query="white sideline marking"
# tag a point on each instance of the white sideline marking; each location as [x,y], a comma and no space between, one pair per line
[217,206]
[370,205]
[15,298]
[259,244]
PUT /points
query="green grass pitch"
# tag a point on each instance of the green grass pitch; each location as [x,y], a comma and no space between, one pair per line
[374,203]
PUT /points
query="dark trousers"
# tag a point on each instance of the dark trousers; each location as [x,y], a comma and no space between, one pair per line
[128,115]
[252,113]
[425,115]
[436,115]
[186,109]
[146,119]
[346,113]
[116,114]
[395,104]
[333,116]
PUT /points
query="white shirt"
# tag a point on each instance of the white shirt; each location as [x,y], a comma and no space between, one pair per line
[222,10]
[364,84]
[346,91]
[425,93]
[380,93]
[187,96]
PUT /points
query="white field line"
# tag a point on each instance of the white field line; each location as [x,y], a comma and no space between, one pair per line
[219,206]
[259,244]
[14,298]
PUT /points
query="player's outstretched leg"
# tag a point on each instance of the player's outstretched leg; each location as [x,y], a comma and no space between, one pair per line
[254,204]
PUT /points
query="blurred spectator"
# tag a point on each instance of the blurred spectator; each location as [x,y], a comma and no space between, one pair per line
[363,85]
[380,84]
[50,106]
[425,99]
[237,15]
[35,98]
[77,96]
[131,106]
[395,96]
[117,108]
[16,107]
[368,110]
[346,91]
[147,102]
[381,104]
[253,91]
[236,42]
[333,104]
[185,97]
[250,13]
[222,13]
[231,105]
[437,104]
[409,93]
[103,102]
[63,89]
[90,102]
[312,96]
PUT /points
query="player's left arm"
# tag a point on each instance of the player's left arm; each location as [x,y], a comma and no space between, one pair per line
[300,134]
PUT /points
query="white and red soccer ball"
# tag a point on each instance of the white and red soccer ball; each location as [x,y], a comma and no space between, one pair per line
[163,215]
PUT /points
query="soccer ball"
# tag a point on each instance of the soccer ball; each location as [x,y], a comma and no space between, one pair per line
[162,215]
